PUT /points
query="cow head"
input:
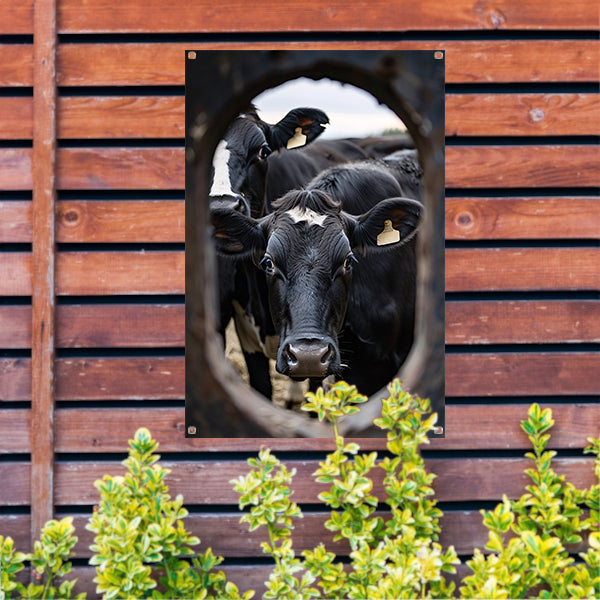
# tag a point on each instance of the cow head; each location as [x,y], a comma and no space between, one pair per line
[240,160]
[308,248]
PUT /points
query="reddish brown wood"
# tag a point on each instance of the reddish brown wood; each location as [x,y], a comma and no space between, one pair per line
[15,436]
[17,119]
[522,218]
[523,322]
[465,61]
[106,378]
[43,300]
[15,166]
[16,65]
[15,221]
[132,325]
[16,16]
[120,221]
[15,326]
[208,482]
[522,166]
[16,274]
[467,427]
[121,117]
[522,269]
[15,379]
[535,374]
[376,15]
[466,167]
[120,168]
[522,114]
[102,273]
[16,483]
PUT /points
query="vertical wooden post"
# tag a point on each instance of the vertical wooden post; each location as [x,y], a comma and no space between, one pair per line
[43,301]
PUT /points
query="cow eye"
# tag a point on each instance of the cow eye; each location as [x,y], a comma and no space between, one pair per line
[349,262]
[267,264]
[264,152]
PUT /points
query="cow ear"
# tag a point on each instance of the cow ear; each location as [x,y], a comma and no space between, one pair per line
[389,223]
[236,234]
[298,128]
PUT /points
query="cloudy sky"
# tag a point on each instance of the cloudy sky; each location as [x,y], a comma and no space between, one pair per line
[352,112]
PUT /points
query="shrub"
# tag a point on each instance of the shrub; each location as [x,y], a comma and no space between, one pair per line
[401,558]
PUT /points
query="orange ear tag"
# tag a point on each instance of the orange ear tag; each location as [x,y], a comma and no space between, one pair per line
[297,140]
[389,235]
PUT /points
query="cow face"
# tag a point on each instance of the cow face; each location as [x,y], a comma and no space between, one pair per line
[240,160]
[308,248]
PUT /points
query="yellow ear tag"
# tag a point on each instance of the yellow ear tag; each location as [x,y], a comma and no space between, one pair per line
[389,235]
[297,140]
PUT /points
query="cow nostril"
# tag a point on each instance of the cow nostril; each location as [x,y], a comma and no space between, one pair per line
[290,356]
[327,355]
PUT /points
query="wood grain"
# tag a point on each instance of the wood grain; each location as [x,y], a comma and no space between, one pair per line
[15,166]
[376,15]
[522,114]
[501,61]
[16,16]
[16,64]
[522,166]
[522,269]
[91,117]
[515,374]
[120,221]
[468,427]
[466,167]
[16,118]
[208,482]
[16,274]
[522,218]
[162,378]
[107,273]
[15,221]
[522,322]
[15,326]
[121,117]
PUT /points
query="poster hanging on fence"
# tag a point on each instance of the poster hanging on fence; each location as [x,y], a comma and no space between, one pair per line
[314,237]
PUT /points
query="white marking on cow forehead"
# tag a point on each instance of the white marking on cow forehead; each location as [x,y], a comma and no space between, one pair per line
[298,214]
[221,185]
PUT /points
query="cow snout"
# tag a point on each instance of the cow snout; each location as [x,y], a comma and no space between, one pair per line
[308,358]
[237,203]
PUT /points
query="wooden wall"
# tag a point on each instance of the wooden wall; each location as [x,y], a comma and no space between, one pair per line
[92,240]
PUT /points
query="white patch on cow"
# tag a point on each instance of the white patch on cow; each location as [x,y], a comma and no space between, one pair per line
[249,334]
[310,216]
[221,183]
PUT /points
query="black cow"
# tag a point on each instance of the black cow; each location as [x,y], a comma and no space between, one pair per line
[251,168]
[339,259]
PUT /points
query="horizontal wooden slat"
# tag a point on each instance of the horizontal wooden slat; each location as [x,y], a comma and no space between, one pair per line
[294,15]
[515,374]
[523,322]
[16,274]
[229,538]
[468,427]
[522,166]
[15,221]
[15,168]
[16,118]
[121,117]
[522,218]
[467,218]
[16,65]
[466,167]
[503,269]
[120,168]
[120,221]
[458,479]
[163,116]
[16,16]
[15,326]
[506,373]
[107,273]
[16,488]
[465,62]
[522,114]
